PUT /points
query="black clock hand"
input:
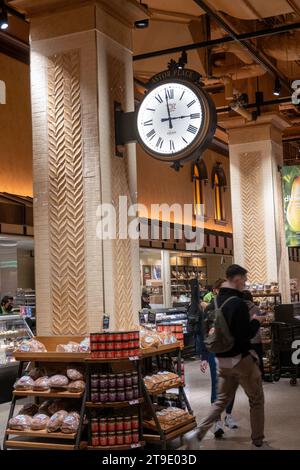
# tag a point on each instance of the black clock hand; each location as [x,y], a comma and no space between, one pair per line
[169,114]
[175,117]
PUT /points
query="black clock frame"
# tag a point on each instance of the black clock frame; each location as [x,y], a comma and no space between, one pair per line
[204,136]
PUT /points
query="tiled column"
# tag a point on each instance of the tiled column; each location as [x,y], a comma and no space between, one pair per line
[256,192]
[81,62]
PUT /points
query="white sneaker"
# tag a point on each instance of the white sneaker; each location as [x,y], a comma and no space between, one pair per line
[264,446]
[219,431]
[230,422]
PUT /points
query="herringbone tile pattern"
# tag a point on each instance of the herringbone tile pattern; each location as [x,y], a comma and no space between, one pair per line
[66,210]
[253,217]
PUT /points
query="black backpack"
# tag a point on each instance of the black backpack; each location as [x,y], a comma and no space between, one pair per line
[217,335]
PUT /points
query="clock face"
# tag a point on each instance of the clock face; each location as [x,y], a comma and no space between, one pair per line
[170,119]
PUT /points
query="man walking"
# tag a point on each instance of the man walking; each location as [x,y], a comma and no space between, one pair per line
[236,366]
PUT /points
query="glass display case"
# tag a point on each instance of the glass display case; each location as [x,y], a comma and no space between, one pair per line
[13,329]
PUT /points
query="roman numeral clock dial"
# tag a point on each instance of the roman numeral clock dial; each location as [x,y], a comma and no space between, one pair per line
[171,120]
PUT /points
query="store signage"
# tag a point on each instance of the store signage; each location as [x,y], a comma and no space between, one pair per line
[291,197]
[2,92]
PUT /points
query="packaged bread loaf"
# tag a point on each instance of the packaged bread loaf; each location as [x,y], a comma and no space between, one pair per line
[31,345]
[39,422]
[70,423]
[58,381]
[74,373]
[37,372]
[70,347]
[29,409]
[56,420]
[24,383]
[20,422]
[76,386]
[42,384]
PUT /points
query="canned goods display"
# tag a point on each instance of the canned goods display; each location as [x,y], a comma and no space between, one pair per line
[114,387]
[109,343]
[111,439]
[115,430]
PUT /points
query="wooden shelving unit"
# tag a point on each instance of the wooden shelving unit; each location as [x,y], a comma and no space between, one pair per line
[50,394]
[115,404]
[120,447]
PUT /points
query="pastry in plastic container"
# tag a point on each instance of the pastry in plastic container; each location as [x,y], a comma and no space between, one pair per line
[76,386]
[41,384]
[70,347]
[20,423]
[39,422]
[74,373]
[56,420]
[31,345]
[30,409]
[70,423]
[58,381]
[24,383]
[84,346]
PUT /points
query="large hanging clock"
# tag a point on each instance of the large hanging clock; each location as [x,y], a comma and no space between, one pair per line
[176,120]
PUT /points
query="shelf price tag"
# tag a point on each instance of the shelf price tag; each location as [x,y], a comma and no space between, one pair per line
[133,402]
[133,358]
[134,446]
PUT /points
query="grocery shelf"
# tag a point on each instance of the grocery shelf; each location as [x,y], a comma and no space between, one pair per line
[171,429]
[120,447]
[41,434]
[114,404]
[20,444]
[51,394]
[164,389]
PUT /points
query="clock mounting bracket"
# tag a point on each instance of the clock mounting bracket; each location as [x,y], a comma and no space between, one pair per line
[125,128]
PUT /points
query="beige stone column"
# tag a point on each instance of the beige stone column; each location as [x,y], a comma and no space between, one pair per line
[81,62]
[258,229]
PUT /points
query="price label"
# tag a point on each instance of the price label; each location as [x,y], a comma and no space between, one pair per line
[133,402]
[133,358]
[134,446]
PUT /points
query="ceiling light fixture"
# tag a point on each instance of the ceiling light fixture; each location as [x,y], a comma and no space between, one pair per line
[3,16]
[277,87]
[142,24]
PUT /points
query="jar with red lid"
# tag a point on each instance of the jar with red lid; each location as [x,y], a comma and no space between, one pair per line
[94,395]
[135,352]
[127,437]
[110,354]
[110,346]
[131,335]
[94,425]
[109,337]
[103,425]
[135,437]
[103,396]
[112,395]
[120,394]
[118,345]
[111,439]
[94,380]
[136,344]
[101,337]
[118,336]
[120,438]
[127,423]
[95,439]
[124,352]
[135,392]
[129,393]
[119,424]
[128,379]
[130,344]
[125,344]
[119,353]
[135,378]
[103,439]
[103,381]
[112,381]
[125,336]
[136,335]
[134,422]
[111,424]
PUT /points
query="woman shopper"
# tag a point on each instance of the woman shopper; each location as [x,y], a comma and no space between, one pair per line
[195,314]
[208,359]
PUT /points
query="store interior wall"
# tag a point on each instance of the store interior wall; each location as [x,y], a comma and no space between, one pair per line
[216,267]
[25,267]
[8,268]
[15,125]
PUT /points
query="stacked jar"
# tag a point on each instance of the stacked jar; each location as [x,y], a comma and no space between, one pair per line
[115,344]
[115,431]
[114,387]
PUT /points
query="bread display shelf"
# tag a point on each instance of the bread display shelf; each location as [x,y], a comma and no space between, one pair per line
[25,444]
[114,404]
[51,356]
[120,447]
[172,434]
[96,360]
[41,434]
[165,349]
[169,429]
[51,394]
[159,390]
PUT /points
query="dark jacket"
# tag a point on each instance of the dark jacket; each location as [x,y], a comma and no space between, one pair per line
[236,314]
[195,312]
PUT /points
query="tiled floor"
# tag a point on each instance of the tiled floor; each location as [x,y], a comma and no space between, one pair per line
[282,413]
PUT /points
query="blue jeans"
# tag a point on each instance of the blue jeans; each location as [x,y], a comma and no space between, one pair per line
[211,359]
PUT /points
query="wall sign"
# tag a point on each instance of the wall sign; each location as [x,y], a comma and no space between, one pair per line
[291,195]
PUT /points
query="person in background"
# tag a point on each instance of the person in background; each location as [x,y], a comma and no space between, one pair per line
[236,366]
[145,299]
[208,359]
[256,344]
[210,294]
[6,305]
[195,315]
